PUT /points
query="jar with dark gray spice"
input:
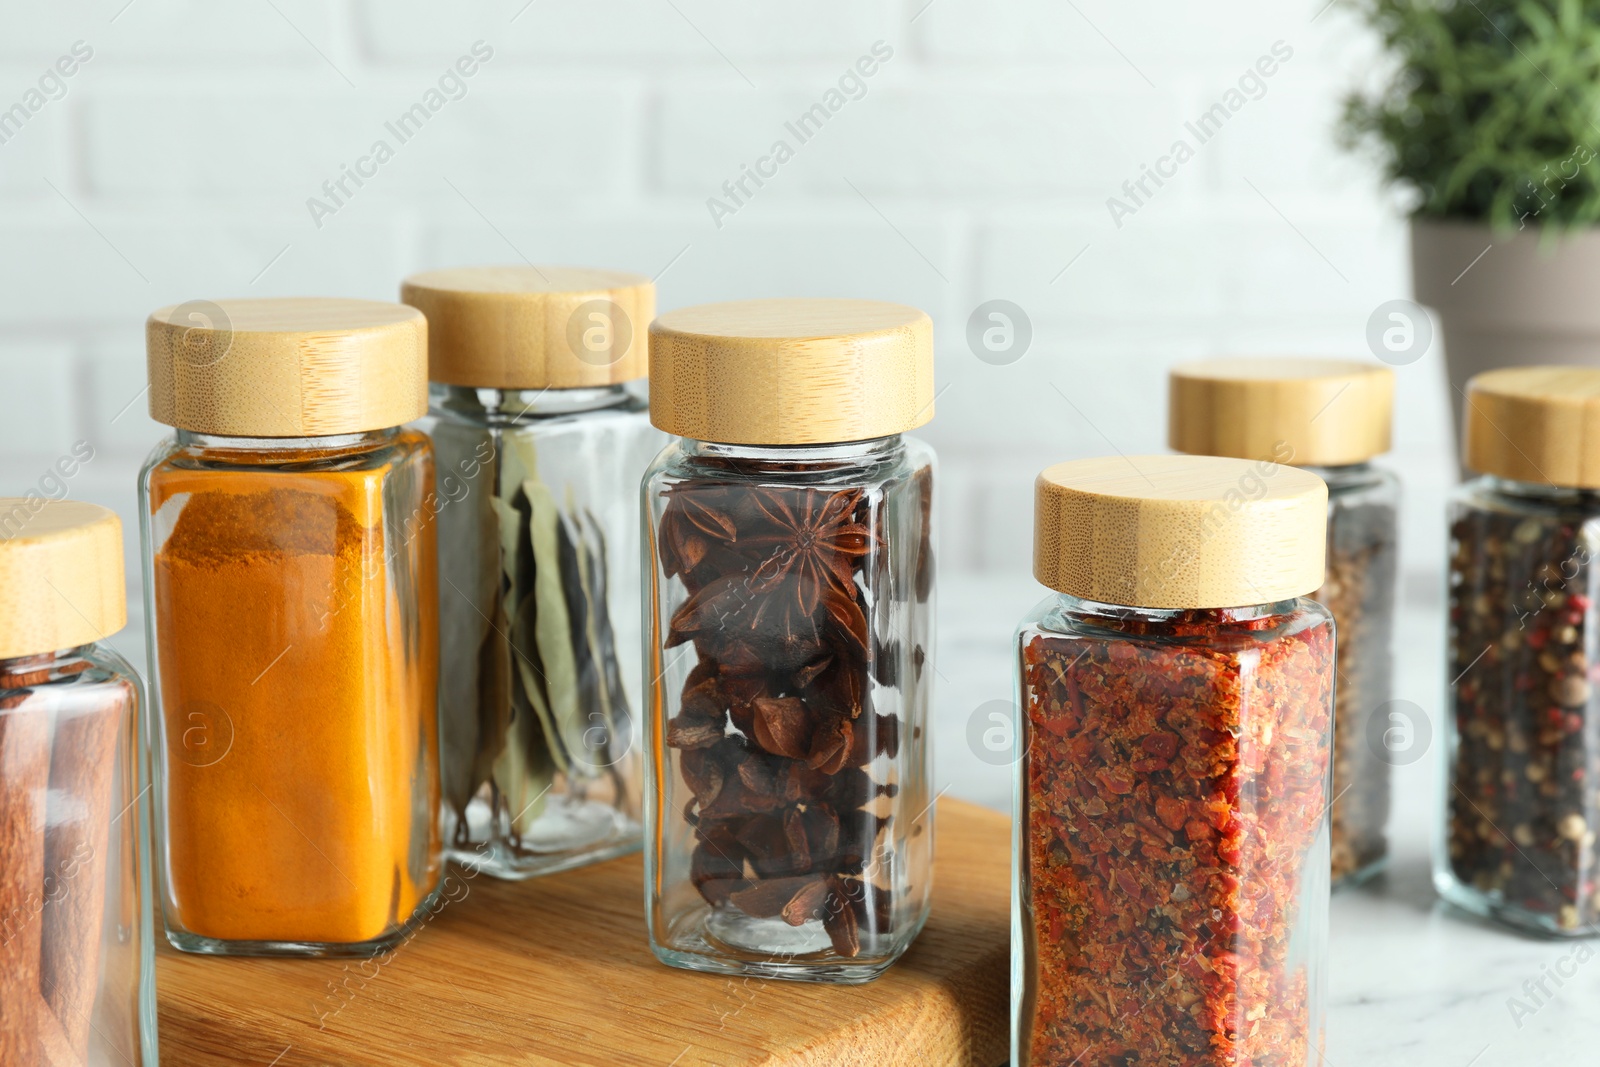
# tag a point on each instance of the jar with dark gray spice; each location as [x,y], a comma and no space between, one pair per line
[1521,804]
[1332,418]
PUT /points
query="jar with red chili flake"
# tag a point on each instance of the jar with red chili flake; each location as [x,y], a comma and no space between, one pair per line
[1173,788]
[1522,799]
[788,634]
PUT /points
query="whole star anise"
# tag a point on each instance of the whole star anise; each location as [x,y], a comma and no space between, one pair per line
[772,729]
[813,537]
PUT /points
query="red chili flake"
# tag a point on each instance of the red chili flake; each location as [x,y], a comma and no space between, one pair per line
[1159,928]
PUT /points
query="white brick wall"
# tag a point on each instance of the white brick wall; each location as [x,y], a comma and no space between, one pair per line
[179,161]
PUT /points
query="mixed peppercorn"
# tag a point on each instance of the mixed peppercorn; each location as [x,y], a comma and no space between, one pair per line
[1176,781]
[1523,803]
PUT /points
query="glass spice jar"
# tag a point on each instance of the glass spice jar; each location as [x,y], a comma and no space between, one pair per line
[291,594]
[1331,417]
[1170,904]
[77,962]
[790,623]
[1522,799]
[541,431]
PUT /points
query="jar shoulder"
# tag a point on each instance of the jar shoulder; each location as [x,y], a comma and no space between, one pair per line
[1369,487]
[93,675]
[877,472]
[1065,618]
[366,478]
[1493,496]
[623,417]
[173,460]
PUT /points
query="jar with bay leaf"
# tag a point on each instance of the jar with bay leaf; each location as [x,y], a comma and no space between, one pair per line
[538,420]
[789,618]
[1330,417]
[292,606]
[77,962]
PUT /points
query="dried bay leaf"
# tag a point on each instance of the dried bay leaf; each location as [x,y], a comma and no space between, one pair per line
[469,569]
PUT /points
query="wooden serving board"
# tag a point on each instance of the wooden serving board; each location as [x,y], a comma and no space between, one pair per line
[557,970]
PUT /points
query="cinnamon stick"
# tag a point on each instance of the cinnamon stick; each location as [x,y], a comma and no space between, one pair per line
[24,782]
[82,768]
[54,1048]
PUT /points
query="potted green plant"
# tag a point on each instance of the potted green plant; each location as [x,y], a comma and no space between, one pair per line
[1489,122]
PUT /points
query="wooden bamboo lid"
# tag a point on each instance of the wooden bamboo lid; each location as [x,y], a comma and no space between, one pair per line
[533,327]
[1535,424]
[287,368]
[1179,531]
[791,372]
[60,575]
[1308,412]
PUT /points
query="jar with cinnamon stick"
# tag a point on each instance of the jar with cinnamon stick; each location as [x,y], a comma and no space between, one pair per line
[1176,694]
[77,964]
[1330,417]
[790,571]
[1522,796]
[292,601]
[539,425]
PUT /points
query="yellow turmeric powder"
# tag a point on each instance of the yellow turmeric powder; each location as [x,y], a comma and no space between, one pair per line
[294,605]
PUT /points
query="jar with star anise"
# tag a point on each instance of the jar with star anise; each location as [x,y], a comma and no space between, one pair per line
[1522,803]
[538,419]
[789,633]
[1173,786]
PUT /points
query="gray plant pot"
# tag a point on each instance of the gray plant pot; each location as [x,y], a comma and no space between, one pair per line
[1503,300]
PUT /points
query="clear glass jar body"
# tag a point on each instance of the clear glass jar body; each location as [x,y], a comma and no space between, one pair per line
[1170,891]
[291,598]
[1522,793]
[77,963]
[540,688]
[790,621]
[1363,564]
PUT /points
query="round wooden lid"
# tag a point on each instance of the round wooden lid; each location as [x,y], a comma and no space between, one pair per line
[287,368]
[791,372]
[534,327]
[60,575]
[1535,424]
[1308,412]
[1179,531]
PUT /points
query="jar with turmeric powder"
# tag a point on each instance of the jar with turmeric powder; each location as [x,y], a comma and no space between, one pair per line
[77,963]
[291,595]
[539,423]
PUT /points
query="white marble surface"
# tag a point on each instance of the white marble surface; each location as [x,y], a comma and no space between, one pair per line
[1413,981]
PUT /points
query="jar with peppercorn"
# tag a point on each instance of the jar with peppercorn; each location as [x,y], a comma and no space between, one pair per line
[1173,786]
[1522,799]
[1331,417]
[540,431]
[789,629]
[77,960]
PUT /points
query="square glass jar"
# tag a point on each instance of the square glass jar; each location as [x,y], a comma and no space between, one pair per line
[540,688]
[789,638]
[791,617]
